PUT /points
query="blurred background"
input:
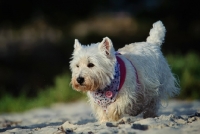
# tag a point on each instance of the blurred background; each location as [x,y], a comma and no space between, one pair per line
[37,37]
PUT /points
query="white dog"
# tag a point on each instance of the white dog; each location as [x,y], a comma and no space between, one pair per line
[131,81]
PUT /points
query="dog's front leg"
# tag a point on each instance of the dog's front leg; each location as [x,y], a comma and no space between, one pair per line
[100,113]
[113,112]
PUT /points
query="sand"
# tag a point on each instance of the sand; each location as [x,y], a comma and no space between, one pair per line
[179,117]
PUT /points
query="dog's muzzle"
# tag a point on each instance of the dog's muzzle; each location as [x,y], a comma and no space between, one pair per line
[80,80]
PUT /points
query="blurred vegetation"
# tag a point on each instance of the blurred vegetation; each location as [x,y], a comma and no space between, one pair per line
[187,70]
[60,92]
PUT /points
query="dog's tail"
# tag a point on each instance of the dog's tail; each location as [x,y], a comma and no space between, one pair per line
[157,33]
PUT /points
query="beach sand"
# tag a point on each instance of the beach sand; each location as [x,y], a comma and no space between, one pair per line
[179,117]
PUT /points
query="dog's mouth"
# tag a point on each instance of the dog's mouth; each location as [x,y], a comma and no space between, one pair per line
[87,85]
[80,87]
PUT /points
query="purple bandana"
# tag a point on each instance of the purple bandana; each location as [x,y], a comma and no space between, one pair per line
[108,95]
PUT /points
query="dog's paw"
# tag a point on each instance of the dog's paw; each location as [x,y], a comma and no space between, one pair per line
[66,128]
[129,119]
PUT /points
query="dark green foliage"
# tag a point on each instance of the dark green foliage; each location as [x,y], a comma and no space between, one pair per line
[60,92]
[187,70]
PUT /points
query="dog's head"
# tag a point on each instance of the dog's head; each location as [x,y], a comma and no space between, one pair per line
[92,66]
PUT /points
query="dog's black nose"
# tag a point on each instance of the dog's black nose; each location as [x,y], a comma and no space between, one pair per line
[80,80]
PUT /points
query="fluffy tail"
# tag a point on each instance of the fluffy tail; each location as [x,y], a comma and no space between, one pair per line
[157,33]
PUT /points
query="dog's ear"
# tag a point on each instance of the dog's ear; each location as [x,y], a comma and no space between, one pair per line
[77,45]
[107,47]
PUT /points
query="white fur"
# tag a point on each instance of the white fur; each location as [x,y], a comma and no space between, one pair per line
[156,81]
[157,33]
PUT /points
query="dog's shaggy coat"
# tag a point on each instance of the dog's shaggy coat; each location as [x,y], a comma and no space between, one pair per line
[92,68]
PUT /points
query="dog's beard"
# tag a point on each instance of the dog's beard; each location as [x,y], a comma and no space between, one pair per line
[89,84]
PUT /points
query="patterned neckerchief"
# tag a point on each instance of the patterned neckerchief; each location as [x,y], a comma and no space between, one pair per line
[108,95]
[104,97]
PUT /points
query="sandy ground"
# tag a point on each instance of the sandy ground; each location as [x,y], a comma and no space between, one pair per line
[179,117]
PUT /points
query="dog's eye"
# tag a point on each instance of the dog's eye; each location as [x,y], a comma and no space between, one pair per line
[77,66]
[90,65]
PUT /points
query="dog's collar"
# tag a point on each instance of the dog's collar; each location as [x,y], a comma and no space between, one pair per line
[108,95]
[122,70]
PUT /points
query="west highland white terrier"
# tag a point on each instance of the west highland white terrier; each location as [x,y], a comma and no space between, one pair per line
[129,81]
